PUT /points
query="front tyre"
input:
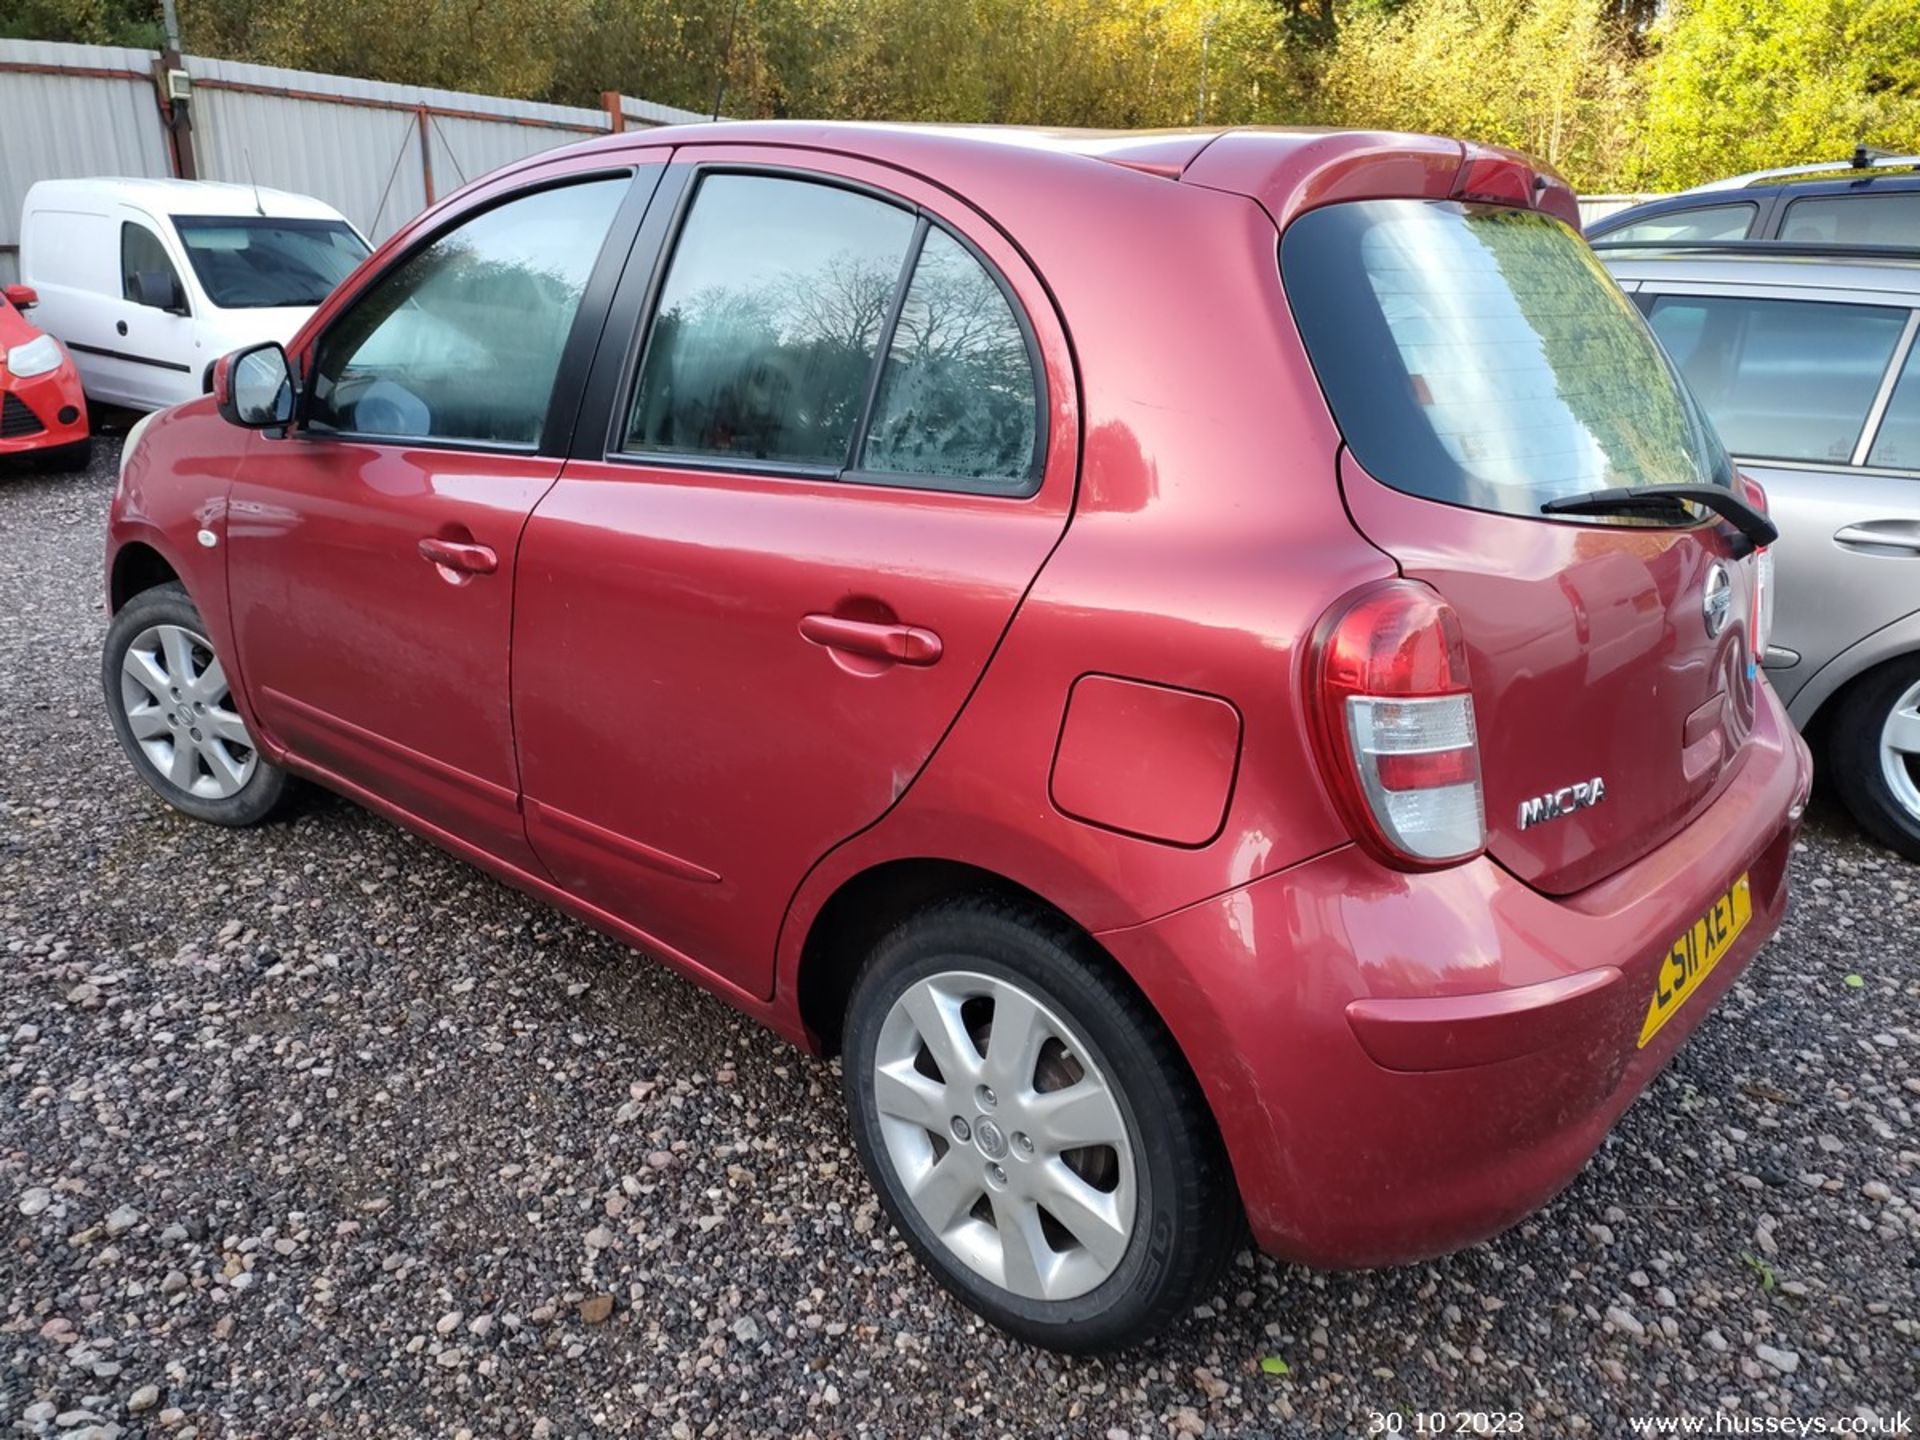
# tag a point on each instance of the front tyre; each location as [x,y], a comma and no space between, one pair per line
[171,706]
[1032,1130]
[1874,754]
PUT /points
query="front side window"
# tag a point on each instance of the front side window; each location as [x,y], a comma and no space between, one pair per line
[769,322]
[462,340]
[147,276]
[248,262]
[1897,445]
[1708,223]
[956,395]
[1781,379]
[1889,218]
[1481,356]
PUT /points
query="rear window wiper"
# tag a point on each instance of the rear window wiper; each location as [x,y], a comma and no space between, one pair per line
[1671,500]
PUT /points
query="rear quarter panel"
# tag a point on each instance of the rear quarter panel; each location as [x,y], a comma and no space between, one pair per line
[1207,539]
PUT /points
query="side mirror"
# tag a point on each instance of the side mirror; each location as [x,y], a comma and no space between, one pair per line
[22,297]
[253,388]
[159,289]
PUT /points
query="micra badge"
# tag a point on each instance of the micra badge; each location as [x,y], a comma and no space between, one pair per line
[1564,801]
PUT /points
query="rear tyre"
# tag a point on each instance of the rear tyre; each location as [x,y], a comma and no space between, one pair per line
[1032,1130]
[170,704]
[1874,754]
[66,459]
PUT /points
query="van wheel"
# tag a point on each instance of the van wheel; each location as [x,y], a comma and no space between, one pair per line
[1874,751]
[171,706]
[1032,1130]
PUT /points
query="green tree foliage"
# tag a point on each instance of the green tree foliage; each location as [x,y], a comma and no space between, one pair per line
[1551,77]
[1615,93]
[85,22]
[1737,85]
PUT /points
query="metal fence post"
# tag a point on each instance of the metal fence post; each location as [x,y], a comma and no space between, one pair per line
[426,152]
[176,116]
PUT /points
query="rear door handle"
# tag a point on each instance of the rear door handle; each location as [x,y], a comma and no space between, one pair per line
[1881,535]
[463,556]
[904,644]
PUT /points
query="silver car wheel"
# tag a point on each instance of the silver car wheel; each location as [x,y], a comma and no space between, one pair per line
[1005,1135]
[1900,750]
[179,709]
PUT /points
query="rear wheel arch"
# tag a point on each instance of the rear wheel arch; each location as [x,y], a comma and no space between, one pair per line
[137,568]
[871,904]
[863,910]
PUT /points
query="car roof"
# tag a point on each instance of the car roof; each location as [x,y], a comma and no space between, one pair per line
[1284,169]
[180,197]
[1756,189]
[1765,267]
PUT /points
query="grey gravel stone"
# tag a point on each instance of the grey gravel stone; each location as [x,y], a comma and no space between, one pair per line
[328,1058]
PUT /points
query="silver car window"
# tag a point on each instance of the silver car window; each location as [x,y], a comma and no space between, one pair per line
[1780,379]
[1897,445]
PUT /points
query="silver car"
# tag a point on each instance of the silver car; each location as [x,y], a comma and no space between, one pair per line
[1806,362]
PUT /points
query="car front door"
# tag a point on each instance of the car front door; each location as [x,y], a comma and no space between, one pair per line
[829,443]
[150,353]
[371,550]
[1796,382]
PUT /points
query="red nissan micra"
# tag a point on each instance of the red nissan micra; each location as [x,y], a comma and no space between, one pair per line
[1216,671]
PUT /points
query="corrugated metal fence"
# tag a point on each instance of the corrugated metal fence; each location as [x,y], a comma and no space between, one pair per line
[376,152]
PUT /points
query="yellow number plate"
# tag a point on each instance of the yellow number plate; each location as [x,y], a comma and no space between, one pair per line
[1692,957]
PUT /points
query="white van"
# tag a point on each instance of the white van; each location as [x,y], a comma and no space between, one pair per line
[148,281]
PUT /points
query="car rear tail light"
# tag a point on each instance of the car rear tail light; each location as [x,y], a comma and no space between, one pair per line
[1395,725]
[1760,614]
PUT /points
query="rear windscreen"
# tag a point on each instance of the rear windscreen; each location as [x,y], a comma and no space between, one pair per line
[1481,356]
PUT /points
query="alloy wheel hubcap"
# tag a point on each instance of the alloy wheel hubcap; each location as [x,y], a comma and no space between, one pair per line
[1005,1135]
[180,710]
[1900,750]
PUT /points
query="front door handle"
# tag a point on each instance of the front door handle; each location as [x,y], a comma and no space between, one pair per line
[903,644]
[1882,536]
[462,556]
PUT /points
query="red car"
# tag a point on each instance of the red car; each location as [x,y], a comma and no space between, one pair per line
[43,414]
[1217,672]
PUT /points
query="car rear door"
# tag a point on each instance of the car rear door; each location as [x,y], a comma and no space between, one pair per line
[828,444]
[1797,380]
[371,549]
[1481,364]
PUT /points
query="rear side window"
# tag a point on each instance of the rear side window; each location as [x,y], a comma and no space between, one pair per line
[956,393]
[1897,445]
[769,322]
[461,342]
[1709,222]
[1481,356]
[1889,218]
[1781,379]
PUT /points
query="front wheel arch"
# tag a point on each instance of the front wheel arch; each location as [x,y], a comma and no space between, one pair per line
[137,568]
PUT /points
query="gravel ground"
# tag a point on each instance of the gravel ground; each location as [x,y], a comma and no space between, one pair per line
[313,1130]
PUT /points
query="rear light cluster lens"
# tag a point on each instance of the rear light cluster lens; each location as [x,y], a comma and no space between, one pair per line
[1760,618]
[1395,725]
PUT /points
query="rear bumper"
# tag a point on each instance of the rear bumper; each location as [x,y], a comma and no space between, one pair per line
[53,400]
[1404,1064]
